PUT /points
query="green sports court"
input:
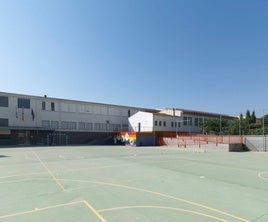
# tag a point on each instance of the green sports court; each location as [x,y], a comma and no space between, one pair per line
[123,183]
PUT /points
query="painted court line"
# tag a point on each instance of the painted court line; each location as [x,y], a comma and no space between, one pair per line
[49,171]
[164,208]
[136,189]
[84,202]
[94,211]
[40,209]
[261,175]
[161,194]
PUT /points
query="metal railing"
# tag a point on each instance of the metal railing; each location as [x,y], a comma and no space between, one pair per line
[200,139]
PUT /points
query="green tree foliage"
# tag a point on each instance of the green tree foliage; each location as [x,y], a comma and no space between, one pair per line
[218,126]
[247,124]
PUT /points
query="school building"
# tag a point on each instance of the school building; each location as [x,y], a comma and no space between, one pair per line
[43,120]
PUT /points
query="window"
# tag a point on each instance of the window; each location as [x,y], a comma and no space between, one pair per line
[185,120]
[72,108]
[52,106]
[172,124]
[24,103]
[54,125]
[164,123]
[82,126]
[190,120]
[72,125]
[100,126]
[64,125]
[128,113]
[46,124]
[3,122]
[196,121]
[179,124]
[43,105]
[175,124]
[155,122]
[3,101]
[160,123]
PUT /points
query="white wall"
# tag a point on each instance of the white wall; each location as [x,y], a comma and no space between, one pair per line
[105,117]
[144,118]
[171,112]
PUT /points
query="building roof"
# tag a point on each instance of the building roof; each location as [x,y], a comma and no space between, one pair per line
[154,111]
[76,101]
[202,113]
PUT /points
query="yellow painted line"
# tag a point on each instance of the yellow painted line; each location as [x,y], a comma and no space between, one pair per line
[161,194]
[155,193]
[22,175]
[260,175]
[165,208]
[26,179]
[40,209]
[94,211]
[14,181]
[49,171]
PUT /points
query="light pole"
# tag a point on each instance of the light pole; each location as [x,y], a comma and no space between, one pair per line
[263,132]
[220,124]
[239,118]
[239,126]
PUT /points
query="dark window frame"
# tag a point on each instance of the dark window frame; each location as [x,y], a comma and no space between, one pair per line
[52,106]
[4,101]
[4,122]
[43,105]
[24,103]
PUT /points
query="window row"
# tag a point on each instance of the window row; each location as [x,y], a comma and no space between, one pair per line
[68,125]
[164,123]
[159,123]
[50,106]
[66,107]
[187,121]
[25,103]
[21,102]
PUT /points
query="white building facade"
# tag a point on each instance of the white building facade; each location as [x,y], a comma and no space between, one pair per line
[171,120]
[26,119]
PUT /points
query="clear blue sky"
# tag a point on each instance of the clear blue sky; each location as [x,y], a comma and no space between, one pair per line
[207,55]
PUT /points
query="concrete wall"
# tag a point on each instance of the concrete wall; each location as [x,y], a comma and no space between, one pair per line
[256,143]
[145,119]
[237,148]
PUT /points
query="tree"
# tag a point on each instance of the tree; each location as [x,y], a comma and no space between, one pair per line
[215,126]
[245,125]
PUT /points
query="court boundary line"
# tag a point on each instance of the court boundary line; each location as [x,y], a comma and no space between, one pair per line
[84,202]
[260,175]
[147,191]
[164,208]
[40,209]
[49,171]
[161,194]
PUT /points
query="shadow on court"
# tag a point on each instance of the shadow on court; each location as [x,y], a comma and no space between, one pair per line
[3,156]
